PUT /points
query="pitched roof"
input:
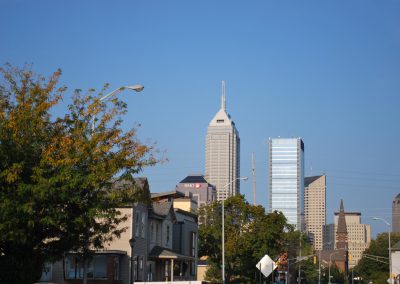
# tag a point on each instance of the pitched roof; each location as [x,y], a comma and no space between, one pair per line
[341,228]
[165,195]
[309,180]
[194,179]
[222,118]
[162,208]
[139,185]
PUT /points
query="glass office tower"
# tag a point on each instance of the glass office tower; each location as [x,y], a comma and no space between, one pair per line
[286,179]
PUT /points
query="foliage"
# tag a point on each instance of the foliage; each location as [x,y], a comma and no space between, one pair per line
[56,174]
[250,233]
[376,271]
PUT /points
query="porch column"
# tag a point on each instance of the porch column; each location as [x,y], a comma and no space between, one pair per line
[172,270]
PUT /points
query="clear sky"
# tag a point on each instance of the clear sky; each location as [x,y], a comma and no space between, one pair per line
[326,71]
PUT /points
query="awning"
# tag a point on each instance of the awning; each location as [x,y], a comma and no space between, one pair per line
[164,253]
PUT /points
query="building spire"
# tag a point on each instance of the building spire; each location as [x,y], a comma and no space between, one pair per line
[223,100]
[341,231]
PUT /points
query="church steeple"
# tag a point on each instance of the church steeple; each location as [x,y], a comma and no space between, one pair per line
[341,231]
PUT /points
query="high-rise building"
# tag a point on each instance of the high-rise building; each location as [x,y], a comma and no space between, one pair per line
[315,208]
[223,153]
[202,192]
[348,232]
[286,178]
[396,214]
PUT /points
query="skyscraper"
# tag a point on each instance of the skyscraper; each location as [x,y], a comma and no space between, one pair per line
[286,178]
[315,208]
[223,153]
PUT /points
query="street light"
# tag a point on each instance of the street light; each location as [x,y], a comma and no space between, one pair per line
[390,249]
[223,225]
[136,88]
[131,243]
[330,263]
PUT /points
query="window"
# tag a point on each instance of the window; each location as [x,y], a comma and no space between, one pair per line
[96,267]
[116,268]
[140,268]
[193,239]
[143,225]
[157,233]
[137,224]
[152,236]
[167,236]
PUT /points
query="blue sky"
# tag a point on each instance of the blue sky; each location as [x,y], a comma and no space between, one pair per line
[326,71]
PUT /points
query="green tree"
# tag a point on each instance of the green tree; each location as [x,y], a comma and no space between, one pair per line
[56,174]
[375,263]
[250,233]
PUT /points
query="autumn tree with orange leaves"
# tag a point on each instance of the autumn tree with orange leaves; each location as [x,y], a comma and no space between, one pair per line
[57,174]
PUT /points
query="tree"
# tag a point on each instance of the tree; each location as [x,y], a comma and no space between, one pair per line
[375,263]
[250,233]
[56,174]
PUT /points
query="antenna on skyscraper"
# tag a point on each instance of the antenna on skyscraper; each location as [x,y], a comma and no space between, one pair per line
[254,179]
[223,101]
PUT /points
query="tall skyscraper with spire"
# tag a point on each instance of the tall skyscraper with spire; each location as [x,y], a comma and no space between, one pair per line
[223,153]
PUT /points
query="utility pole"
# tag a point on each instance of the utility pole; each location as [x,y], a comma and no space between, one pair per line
[254,179]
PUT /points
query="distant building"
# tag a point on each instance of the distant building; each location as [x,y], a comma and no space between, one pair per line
[286,178]
[223,153]
[315,208]
[338,253]
[395,250]
[201,191]
[358,235]
[396,214]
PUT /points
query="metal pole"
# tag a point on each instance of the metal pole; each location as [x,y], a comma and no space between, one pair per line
[319,267]
[254,179]
[223,225]
[390,249]
[329,274]
[390,258]
[130,272]
[330,263]
[299,277]
[223,241]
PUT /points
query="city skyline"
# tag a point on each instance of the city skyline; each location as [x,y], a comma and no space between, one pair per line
[324,71]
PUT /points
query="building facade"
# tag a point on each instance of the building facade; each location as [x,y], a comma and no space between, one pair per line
[201,191]
[396,214]
[358,236]
[286,179]
[315,208]
[159,243]
[223,153]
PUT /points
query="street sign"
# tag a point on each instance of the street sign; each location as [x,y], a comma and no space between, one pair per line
[266,265]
